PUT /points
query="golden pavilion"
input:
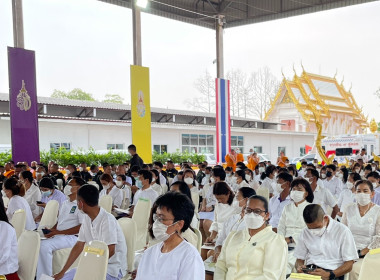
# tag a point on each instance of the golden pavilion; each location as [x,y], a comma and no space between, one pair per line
[298,101]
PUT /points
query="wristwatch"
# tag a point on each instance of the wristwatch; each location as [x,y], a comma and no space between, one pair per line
[332,275]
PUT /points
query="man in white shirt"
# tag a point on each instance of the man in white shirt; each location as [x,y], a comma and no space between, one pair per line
[63,234]
[97,225]
[280,200]
[333,183]
[145,191]
[363,156]
[322,195]
[326,247]
[302,171]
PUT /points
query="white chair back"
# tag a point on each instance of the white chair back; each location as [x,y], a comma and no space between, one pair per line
[94,184]
[170,181]
[199,235]
[129,228]
[94,262]
[370,268]
[28,251]
[50,215]
[5,201]
[141,214]
[106,202]
[263,192]
[60,258]
[18,221]
[124,202]
[195,199]
[164,188]
[60,184]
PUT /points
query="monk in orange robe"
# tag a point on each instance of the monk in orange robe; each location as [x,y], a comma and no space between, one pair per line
[253,160]
[8,170]
[281,160]
[233,158]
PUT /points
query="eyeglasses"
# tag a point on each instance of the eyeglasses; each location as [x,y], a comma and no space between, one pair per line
[160,219]
[255,211]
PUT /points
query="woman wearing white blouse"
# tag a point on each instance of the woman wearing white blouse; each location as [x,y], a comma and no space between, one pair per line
[110,189]
[156,185]
[291,222]
[347,196]
[15,192]
[8,246]
[241,180]
[32,194]
[255,252]
[268,179]
[363,219]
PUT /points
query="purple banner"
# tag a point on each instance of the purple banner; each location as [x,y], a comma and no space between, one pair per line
[23,105]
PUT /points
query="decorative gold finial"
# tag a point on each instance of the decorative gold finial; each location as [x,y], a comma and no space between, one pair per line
[336,73]
[303,69]
[350,88]
[294,70]
[373,126]
[282,72]
[341,83]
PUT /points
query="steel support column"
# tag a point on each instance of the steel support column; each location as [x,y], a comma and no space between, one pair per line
[219,47]
[136,19]
[18,25]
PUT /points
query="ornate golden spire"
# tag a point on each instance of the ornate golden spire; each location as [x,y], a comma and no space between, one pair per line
[373,126]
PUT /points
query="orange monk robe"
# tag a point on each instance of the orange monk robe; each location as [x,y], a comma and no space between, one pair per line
[251,163]
[231,160]
[9,173]
[281,161]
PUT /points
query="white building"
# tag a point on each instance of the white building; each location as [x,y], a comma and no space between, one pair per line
[83,124]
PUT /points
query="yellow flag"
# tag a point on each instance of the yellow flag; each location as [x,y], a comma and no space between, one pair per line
[141,118]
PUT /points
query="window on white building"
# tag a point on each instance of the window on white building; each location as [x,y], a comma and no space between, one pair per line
[281,149]
[258,149]
[160,148]
[237,142]
[302,151]
[198,143]
[56,146]
[115,146]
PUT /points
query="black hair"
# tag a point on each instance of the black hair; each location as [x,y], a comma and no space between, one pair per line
[229,168]
[135,168]
[345,174]
[374,175]
[27,175]
[365,182]
[247,192]
[13,185]
[269,170]
[89,194]
[282,170]
[241,173]
[159,164]
[219,172]
[72,165]
[293,169]
[93,166]
[144,166]
[3,214]
[332,167]
[180,205]
[355,176]
[47,182]
[312,213]
[221,188]
[241,164]
[209,168]
[301,181]
[285,177]
[368,167]
[157,174]
[183,188]
[78,180]
[106,177]
[310,165]
[313,172]
[132,147]
[76,174]
[262,199]
[146,174]
[122,176]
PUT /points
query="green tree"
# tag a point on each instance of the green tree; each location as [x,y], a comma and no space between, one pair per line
[76,94]
[378,126]
[113,98]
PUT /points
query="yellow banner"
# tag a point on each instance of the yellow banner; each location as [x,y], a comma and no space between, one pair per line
[140,107]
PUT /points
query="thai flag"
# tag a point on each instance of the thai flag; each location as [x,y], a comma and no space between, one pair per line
[223,125]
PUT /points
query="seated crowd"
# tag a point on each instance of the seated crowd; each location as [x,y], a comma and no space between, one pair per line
[256,221]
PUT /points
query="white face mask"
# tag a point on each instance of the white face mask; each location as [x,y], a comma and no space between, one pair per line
[237,169]
[317,231]
[189,180]
[229,174]
[349,185]
[339,175]
[374,185]
[319,170]
[357,170]
[40,174]
[67,172]
[159,231]
[278,188]
[212,180]
[323,175]
[373,168]
[153,180]
[119,184]
[80,169]
[297,196]
[248,177]
[253,221]
[106,187]
[67,190]
[261,169]
[363,199]
[235,204]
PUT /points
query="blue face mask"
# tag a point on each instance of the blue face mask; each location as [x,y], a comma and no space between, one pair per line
[47,193]
[139,184]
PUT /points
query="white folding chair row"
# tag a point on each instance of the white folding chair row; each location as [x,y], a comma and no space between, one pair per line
[60,258]
[141,214]
[50,215]
[195,199]
[106,203]
[18,221]
[28,251]
[129,228]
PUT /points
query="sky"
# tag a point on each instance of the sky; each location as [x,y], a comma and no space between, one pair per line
[87,44]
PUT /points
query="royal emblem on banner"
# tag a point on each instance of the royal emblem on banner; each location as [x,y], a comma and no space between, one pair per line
[141,105]
[23,99]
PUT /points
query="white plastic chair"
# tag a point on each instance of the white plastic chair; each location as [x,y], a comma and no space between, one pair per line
[60,184]
[28,250]
[195,199]
[106,202]
[298,276]
[263,192]
[60,258]
[6,201]
[50,215]
[94,262]
[370,267]
[170,181]
[164,188]
[141,214]
[94,184]
[199,243]
[129,228]
[18,221]
[124,201]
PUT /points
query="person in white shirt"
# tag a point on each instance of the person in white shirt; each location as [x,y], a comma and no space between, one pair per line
[63,234]
[241,181]
[156,183]
[235,222]
[347,196]
[207,177]
[158,166]
[223,209]
[125,187]
[15,192]
[291,222]
[333,183]
[172,258]
[121,170]
[230,178]
[97,225]
[374,178]
[322,195]
[40,173]
[145,190]
[302,171]
[8,246]
[110,189]
[325,246]
[250,177]
[268,179]
[362,156]
[32,194]
[280,200]
[255,252]
[363,220]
